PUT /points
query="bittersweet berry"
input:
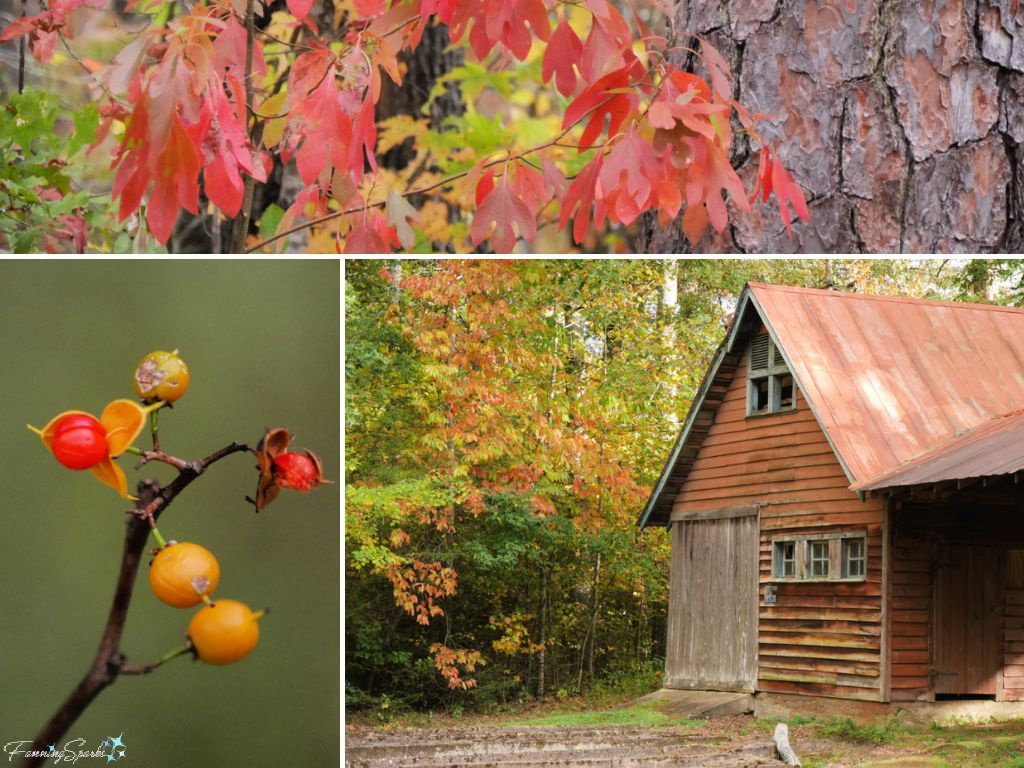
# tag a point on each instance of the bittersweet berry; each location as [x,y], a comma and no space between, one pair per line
[281,468]
[79,441]
[75,441]
[296,471]
[182,574]
[224,631]
[161,376]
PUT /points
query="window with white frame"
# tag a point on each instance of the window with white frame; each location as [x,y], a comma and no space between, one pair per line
[770,387]
[820,557]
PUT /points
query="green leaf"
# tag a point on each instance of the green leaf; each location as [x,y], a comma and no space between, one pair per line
[86,121]
[270,220]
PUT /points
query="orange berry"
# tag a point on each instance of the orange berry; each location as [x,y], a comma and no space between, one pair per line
[224,631]
[161,376]
[182,573]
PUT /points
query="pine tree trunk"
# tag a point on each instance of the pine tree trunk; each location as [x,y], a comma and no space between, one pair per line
[903,121]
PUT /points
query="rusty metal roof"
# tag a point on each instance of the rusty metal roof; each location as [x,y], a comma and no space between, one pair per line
[894,382]
[994,448]
[891,379]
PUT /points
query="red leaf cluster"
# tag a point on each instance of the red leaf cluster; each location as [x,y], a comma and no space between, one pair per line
[188,115]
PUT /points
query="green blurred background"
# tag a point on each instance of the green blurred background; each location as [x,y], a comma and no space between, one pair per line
[261,341]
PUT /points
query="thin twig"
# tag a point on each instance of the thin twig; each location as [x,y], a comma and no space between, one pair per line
[21,55]
[174,461]
[109,662]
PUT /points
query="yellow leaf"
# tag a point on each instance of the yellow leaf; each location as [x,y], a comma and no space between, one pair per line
[394,130]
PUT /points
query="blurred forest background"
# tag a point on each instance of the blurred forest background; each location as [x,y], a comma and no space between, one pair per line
[505,421]
[261,341]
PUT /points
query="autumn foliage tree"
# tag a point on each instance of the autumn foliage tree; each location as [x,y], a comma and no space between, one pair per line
[598,127]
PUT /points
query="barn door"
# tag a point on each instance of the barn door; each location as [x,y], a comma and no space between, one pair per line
[712,626]
[966,648]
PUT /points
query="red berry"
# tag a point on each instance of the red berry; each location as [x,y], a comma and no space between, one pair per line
[79,441]
[296,471]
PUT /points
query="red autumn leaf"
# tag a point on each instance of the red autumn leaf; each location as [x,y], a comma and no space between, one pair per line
[554,179]
[708,176]
[578,198]
[563,52]
[177,182]
[484,186]
[600,53]
[509,22]
[773,177]
[628,177]
[608,16]
[227,152]
[370,8]
[21,26]
[299,8]
[529,186]
[600,99]
[445,9]
[371,233]
[503,209]
[719,69]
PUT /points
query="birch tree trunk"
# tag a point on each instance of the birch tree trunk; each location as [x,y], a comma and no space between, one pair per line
[902,120]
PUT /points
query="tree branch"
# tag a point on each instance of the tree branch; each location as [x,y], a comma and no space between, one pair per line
[421,190]
[109,662]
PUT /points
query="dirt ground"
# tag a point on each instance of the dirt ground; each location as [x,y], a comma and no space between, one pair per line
[725,742]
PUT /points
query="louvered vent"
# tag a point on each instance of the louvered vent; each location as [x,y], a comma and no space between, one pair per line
[759,352]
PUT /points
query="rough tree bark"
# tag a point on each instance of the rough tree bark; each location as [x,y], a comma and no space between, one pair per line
[903,121]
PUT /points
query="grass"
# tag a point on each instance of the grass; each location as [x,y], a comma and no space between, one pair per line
[643,715]
[893,745]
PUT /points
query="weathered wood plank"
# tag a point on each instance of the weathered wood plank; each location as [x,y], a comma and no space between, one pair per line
[834,654]
[817,639]
[817,689]
[816,665]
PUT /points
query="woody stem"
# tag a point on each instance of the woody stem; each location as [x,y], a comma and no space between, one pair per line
[109,662]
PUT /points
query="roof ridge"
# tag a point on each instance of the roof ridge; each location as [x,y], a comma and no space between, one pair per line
[894,299]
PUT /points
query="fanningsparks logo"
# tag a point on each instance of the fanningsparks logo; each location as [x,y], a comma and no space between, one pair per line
[111,748]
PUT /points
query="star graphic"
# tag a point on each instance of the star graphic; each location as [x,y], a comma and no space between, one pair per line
[116,742]
[51,747]
[111,758]
[122,754]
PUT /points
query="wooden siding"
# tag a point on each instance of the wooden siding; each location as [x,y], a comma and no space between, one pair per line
[712,626]
[1013,627]
[910,616]
[822,637]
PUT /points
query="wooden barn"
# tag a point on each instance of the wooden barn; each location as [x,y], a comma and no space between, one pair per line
[846,502]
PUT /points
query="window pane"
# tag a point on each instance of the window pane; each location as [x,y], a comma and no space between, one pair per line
[819,559]
[759,395]
[784,385]
[855,558]
[784,563]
